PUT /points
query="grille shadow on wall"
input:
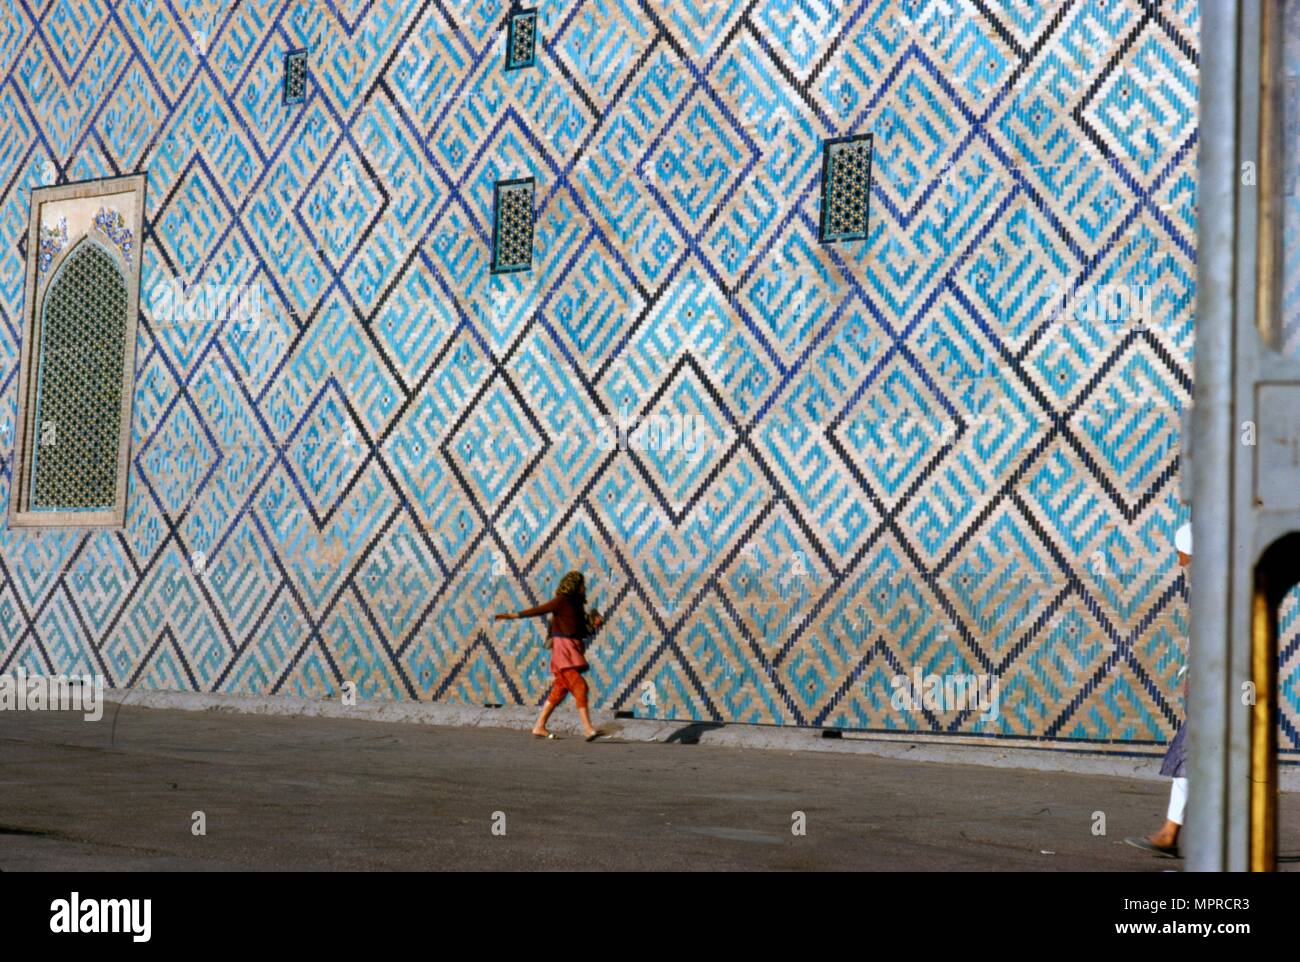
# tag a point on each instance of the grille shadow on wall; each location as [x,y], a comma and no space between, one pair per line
[796,465]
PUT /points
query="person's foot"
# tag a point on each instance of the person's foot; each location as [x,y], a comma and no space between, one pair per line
[594,734]
[542,733]
[1156,845]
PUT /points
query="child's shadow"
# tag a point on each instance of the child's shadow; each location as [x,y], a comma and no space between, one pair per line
[690,735]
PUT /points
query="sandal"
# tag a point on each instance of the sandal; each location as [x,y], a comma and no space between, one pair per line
[550,735]
[594,735]
[1148,846]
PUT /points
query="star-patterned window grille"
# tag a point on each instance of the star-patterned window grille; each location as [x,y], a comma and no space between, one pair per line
[846,188]
[512,231]
[79,387]
[295,77]
[521,39]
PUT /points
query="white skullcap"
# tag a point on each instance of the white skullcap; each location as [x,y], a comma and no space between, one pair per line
[1183,539]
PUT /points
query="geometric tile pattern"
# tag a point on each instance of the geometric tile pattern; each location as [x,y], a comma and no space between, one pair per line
[846,188]
[900,456]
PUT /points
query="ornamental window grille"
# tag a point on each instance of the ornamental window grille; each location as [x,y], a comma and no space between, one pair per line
[846,188]
[76,376]
[512,229]
[521,39]
[295,77]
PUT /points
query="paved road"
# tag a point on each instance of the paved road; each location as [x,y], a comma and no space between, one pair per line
[298,793]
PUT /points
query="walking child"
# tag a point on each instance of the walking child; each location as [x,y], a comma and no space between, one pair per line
[571,624]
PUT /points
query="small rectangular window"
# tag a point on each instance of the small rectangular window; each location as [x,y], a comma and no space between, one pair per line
[512,231]
[77,366]
[295,77]
[846,188]
[521,39]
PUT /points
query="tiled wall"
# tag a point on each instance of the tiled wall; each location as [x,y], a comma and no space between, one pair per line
[905,457]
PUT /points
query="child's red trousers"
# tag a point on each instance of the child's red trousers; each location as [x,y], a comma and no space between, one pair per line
[568,680]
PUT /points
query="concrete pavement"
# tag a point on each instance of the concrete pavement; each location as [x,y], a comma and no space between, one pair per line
[1054,755]
[330,793]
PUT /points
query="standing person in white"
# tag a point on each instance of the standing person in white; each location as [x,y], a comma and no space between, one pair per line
[1164,843]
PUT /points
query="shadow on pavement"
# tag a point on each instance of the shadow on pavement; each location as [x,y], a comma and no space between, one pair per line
[690,735]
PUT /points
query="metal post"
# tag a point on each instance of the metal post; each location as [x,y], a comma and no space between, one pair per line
[1245,490]
[1263,736]
[1206,834]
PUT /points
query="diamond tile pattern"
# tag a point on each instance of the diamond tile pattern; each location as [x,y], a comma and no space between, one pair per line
[901,458]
